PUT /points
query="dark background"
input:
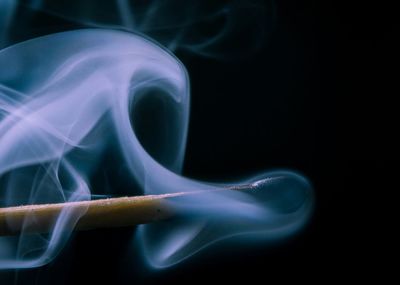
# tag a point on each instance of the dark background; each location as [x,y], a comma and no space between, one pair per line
[318,98]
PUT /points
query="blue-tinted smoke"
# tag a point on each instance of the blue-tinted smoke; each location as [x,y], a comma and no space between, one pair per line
[206,28]
[67,98]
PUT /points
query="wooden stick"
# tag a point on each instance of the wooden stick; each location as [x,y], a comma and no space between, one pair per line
[104,213]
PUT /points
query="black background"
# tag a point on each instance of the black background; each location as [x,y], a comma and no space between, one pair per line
[318,98]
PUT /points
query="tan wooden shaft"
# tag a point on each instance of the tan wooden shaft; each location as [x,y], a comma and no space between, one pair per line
[113,212]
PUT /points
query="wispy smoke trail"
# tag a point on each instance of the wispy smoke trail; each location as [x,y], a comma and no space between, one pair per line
[67,98]
[206,28]
[7,9]
[62,106]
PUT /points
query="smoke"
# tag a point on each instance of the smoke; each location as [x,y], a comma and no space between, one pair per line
[224,30]
[68,99]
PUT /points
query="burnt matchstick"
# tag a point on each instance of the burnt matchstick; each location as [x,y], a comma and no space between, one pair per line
[104,213]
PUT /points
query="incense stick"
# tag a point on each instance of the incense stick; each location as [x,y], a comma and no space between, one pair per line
[104,213]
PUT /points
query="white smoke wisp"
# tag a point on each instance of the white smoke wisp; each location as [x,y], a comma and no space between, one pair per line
[66,97]
[63,98]
[205,28]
